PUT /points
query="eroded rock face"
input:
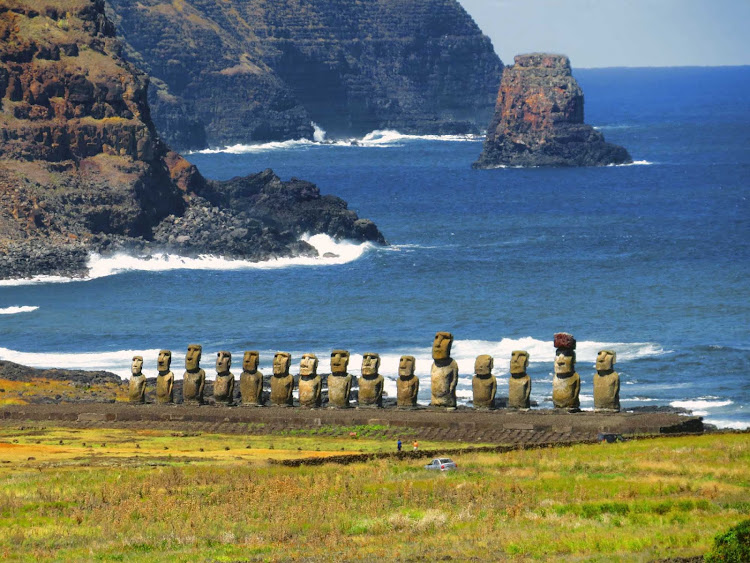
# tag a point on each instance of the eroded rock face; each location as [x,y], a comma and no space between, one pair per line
[310,383]
[519,385]
[165,378]
[371,383]
[339,381]
[238,71]
[484,384]
[137,383]
[606,383]
[224,383]
[194,378]
[538,119]
[251,380]
[444,372]
[407,384]
[282,382]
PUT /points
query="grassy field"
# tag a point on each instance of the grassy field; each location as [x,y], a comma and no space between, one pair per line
[148,496]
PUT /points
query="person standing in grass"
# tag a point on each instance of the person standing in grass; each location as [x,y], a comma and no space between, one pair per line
[398,444]
[416,445]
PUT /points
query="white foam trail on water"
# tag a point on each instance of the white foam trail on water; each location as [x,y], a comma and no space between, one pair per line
[330,253]
[634,163]
[16,310]
[700,404]
[382,138]
[728,424]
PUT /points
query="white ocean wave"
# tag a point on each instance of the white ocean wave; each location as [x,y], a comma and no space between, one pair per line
[634,163]
[330,252]
[385,138]
[728,424]
[16,310]
[700,404]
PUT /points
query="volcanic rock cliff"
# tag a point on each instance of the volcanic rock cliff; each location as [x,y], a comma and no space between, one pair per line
[82,167]
[234,71]
[539,119]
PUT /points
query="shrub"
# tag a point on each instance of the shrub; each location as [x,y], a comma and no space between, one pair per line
[732,546]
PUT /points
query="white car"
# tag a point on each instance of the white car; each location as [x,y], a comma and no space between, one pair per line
[442,463]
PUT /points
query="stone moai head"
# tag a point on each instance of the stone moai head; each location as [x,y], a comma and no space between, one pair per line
[406,367]
[223,362]
[519,361]
[605,360]
[164,361]
[282,361]
[565,362]
[308,365]
[441,346]
[339,361]
[193,358]
[250,361]
[137,365]
[370,363]
[484,364]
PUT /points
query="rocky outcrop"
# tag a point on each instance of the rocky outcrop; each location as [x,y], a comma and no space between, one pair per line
[235,71]
[539,120]
[82,167]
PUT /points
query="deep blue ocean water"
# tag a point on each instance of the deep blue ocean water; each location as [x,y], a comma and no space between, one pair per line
[651,260]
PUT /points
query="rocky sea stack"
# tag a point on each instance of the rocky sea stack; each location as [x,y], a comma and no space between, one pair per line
[238,71]
[539,119]
[82,168]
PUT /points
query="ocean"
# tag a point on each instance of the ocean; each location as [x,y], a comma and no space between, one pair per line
[651,260]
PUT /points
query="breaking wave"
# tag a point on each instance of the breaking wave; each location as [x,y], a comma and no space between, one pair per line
[16,310]
[330,252]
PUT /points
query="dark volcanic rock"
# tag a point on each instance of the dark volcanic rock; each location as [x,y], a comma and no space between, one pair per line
[82,168]
[235,71]
[539,120]
[16,372]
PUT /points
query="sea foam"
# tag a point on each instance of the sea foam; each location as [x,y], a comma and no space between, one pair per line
[16,310]
[330,252]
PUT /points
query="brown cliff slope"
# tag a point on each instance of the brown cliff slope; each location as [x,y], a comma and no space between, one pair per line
[82,167]
[538,119]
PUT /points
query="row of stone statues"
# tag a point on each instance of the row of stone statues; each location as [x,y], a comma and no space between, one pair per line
[566,384]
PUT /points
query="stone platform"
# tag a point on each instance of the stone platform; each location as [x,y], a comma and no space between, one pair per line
[494,427]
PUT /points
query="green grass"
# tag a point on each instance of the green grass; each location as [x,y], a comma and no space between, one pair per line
[631,501]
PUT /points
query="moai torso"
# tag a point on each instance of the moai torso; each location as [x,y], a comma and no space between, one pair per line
[224,383]
[484,384]
[251,380]
[519,386]
[282,382]
[310,383]
[194,379]
[606,383]
[165,378]
[407,385]
[137,383]
[339,381]
[444,372]
[566,385]
[371,383]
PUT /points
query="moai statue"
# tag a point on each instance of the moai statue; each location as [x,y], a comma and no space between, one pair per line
[371,382]
[282,382]
[339,382]
[194,379]
[407,385]
[606,383]
[519,386]
[484,384]
[224,384]
[137,383]
[444,373]
[310,383]
[566,385]
[165,378]
[251,380]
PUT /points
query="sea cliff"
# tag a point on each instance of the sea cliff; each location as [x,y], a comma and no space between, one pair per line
[239,71]
[83,169]
[539,119]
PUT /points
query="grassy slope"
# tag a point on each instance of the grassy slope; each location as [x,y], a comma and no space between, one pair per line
[631,501]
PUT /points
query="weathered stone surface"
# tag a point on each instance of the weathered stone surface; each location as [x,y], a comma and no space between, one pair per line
[539,119]
[310,383]
[224,383]
[137,383]
[407,384]
[606,383]
[484,384]
[165,378]
[258,71]
[194,379]
[371,383]
[444,372]
[519,385]
[282,382]
[251,380]
[82,168]
[566,384]
[339,381]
